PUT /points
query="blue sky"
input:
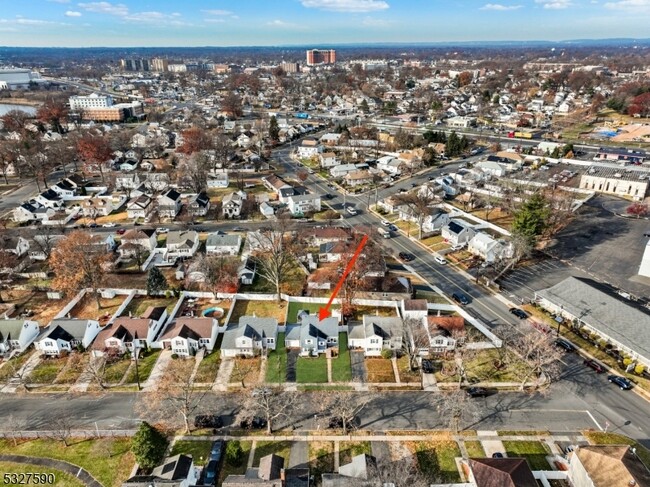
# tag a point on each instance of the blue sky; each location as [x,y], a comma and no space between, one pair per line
[273,22]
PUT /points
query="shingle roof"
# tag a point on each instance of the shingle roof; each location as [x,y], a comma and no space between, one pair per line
[188,327]
[312,327]
[10,329]
[383,326]
[502,472]
[613,466]
[174,468]
[602,311]
[248,325]
[65,329]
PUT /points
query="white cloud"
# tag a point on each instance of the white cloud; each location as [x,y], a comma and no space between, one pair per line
[554,4]
[153,17]
[118,9]
[217,12]
[498,6]
[71,13]
[278,23]
[355,6]
[630,5]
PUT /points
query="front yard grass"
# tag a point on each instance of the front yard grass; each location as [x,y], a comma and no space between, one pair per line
[276,362]
[602,438]
[77,362]
[311,370]
[533,451]
[474,449]
[114,372]
[341,365]
[321,458]
[261,309]
[482,367]
[109,460]
[47,370]
[405,372]
[437,458]
[146,363]
[12,366]
[61,478]
[379,370]
[237,467]
[280,448]
[208,368]
[349,449]
[200,450]
[246,371]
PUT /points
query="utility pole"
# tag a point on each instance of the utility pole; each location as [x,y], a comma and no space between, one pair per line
[135,355]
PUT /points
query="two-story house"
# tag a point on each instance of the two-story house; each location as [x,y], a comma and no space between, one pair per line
[222,244]
[302,204]
[309,148]
[487,247]
[328,159]
[377,333]
[232,204]
[95,207]
[458,232]
[444,332]
[65,335]
[127,333]
[49,199]
[187,335]
[17,335]
[136,240]
[250,337]
[313,336]
[199,204]
[181,244]
[169,204]
[140,207]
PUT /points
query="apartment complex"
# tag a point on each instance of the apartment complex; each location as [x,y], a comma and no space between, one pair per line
[290,67]
[317,56]
[93,101]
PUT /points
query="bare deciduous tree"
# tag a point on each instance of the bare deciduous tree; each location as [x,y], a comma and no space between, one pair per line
[541,356]
[61,428]
[276,258]
[271,403]
[419,205]
[456,408]
[415,338]
[342,409]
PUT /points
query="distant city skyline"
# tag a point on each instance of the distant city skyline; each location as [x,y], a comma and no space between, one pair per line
[131,23]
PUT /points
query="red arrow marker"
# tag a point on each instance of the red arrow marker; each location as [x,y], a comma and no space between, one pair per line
[325,312]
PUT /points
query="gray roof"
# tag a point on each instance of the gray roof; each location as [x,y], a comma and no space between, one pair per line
[384,326]
[179,236]
[220,240]
[174,468]
[312,327]
[251,326]
[10,329]
[604,312]
[65,329]
[358,467]
[292,332]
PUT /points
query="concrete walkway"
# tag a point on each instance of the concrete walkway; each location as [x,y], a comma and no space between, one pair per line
[223,376]
[491,442]
[198,357]
[393,362]
[74,470]
[22,373]
[86,377]
[158,370]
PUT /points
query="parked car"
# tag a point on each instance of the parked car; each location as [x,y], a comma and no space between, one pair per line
[440,260]
[393,228]
[328,196]
[519,313]
[427,366]
[254,423]
[431,178]
[238,229]
[163,230]
[208,421]
[567,346]
[594,365]
[403,190]
[109,225]
[93,225]
[210,473]
[215,450]
[414,185]
[460,298]
[385,223]
[406,257]
[497,455]
[621,382]
[477,392]
[351,210]
[121,231]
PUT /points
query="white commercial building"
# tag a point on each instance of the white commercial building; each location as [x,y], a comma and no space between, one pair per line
[91,101]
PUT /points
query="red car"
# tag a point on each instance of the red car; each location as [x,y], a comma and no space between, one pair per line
[594,365]
[121,231]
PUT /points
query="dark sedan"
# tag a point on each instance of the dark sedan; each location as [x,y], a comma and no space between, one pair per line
[406,257]
[519,313]
[567,346]
[621,382]
[460,298]
[477,392]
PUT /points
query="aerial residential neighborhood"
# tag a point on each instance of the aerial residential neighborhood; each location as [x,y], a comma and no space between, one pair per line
[347,249]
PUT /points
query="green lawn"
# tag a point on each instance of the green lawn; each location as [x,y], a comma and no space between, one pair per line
[294,307]
[76,364]
[474,449]
[46,371]
[601,438]
[61,478]
[349,449]
[200,450]
[438,459]
[235,468]
[109,460]
[115,371]
[533,451]
[145,365]
[341,368]
[321,459]
[208,368]
[9,368]
[311,370]
[280,448]
[276,367]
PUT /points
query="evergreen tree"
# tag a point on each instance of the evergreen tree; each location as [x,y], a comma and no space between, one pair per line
[156,281]
[364,106]
[148,446]
[234,452]
[531,220]
[274,130]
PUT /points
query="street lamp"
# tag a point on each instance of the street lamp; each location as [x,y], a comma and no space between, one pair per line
[559,321]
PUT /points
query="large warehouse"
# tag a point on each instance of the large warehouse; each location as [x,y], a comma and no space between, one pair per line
[17,78]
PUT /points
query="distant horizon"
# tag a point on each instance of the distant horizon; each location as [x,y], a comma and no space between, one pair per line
[195,23]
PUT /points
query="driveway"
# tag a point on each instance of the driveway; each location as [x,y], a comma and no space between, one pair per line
[380,451]
[292,359]
[299,456]
[158,370]
[358,364]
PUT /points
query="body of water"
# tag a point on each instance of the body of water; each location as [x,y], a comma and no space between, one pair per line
[4,108]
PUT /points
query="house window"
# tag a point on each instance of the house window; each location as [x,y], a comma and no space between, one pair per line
[309,342]
[439,341]
[270,341]
[179,342]
[374,341]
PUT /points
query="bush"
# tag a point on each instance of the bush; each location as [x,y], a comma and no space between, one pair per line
[174,356]
[148,446]
[639,369]
[387,353]
[234,453]
[627,362]
[602,344]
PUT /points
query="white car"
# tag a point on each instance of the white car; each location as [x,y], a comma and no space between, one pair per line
[385,223]
[109,225]
[440,260]
[163,230]
[351,210]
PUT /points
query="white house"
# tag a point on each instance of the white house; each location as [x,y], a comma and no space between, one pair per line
[458,232]
[17,335]
[135,239]
[358,178]
[342,169]
[199,204]
[328,159]
[182,243]
[140,207]
[434,221]
[414,309]
[220,244]
[218,180]
[63,334]
[309,148]
[246,271]
[31,211]
[390,165]
[127,181]
[232,204]
[18,245]
[444,333]
[95,207]
[301,204]
[169,204]
[377,333]
[49,199]
[250,337]
[187,335]
[486,247]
